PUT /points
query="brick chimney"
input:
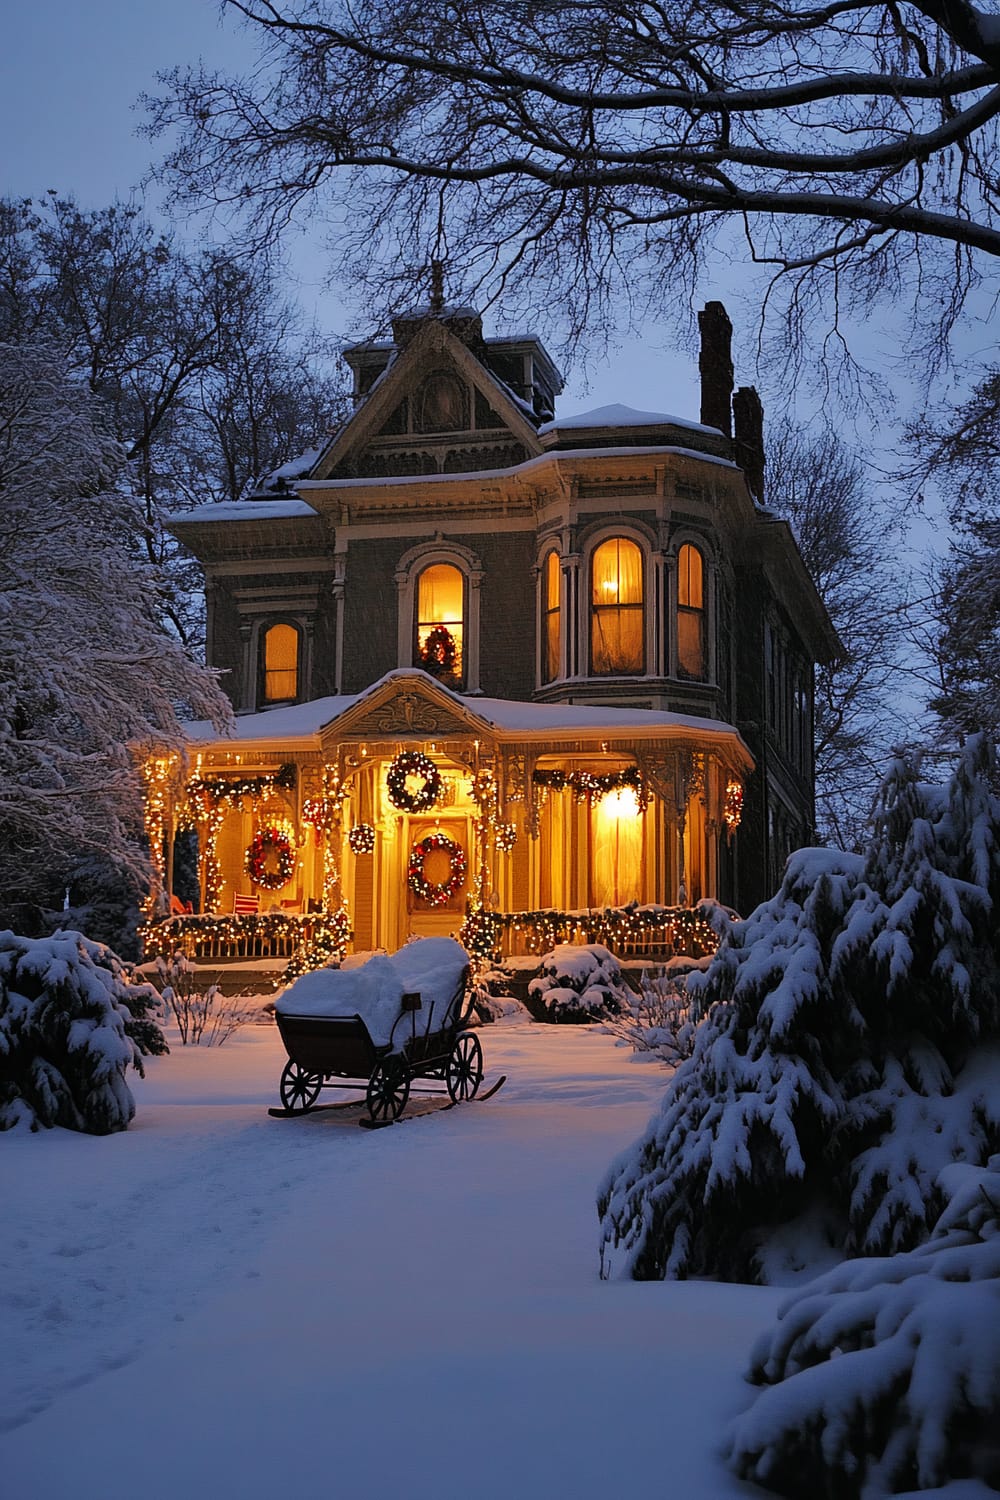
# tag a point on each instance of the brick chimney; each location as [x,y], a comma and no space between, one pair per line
[715,361]
[748,414]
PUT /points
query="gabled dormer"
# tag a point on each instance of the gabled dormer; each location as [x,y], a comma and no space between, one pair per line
[441,399]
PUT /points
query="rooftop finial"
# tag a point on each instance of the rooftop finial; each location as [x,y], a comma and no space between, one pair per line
[437,286]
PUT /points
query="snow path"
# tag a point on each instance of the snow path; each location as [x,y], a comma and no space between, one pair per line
[216,1303]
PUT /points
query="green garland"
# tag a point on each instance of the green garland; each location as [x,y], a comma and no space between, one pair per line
[588,786]
[217,789]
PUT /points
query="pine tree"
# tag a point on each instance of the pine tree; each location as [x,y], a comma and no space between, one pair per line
[834,1072]
[71,1023]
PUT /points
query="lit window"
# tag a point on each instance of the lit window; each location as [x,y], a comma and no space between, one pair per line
[281,663]
[440,620]
[690,613]
[550,618]
[617,621]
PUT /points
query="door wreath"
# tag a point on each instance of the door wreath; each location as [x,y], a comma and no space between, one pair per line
[268,843]
[437,894]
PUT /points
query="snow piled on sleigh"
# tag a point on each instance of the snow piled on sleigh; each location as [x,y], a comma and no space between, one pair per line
[433,967]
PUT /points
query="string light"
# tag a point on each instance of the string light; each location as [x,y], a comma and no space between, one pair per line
[309,941]
[590,786]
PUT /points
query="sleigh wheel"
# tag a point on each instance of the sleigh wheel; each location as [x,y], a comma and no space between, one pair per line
[298,1088]
[465,1068]
[388,1089]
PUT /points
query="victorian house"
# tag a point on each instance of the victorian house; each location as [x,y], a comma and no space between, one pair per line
[489,659]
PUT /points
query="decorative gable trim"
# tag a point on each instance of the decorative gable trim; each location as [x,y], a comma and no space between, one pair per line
[432,348]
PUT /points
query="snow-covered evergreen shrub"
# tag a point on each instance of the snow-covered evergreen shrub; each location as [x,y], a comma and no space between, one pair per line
[884,1374]
[827,1076]
[579,984]
[71,1022]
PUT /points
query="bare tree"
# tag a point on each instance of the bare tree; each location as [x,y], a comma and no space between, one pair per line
[578,147]
[850,545]
[206,373]
[956,629]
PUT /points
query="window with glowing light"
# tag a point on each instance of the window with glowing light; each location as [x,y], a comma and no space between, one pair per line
[551,623]
[441,622]
[617,616]
[691,653]
[616,849]
[281,663]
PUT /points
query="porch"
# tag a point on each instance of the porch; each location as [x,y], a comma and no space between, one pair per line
[410,811]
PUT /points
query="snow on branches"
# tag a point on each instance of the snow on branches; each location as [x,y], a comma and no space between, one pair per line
[85,664]
[71,1022]
[835,1072]
[884,1375]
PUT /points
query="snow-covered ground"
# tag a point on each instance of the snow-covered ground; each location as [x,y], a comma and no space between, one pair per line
[216,1303]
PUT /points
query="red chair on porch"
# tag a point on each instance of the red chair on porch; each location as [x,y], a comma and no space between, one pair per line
[245,906]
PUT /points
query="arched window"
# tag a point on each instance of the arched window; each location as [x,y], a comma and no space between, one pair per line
[617,618]
[281,663]
[691,653]
[551,580]
[441,623]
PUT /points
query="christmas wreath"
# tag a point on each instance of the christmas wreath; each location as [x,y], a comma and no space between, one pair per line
[268,844]
[436,895]
[439,652]
[362,838]
[413,763]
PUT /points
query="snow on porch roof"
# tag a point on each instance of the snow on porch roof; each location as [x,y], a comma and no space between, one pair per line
[299,725]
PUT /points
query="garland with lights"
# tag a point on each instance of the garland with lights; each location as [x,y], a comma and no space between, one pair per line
[413,763]
[362,838]
[691,931]
[439,652]
[214,789]
[308,941]
[267,842]
[480,933]
[589,786]
[425,890]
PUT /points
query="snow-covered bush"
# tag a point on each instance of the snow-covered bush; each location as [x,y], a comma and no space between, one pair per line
[71,1022]
[664,1017]
[202,1015]
[884,1375]
[834,1073]
[579,984]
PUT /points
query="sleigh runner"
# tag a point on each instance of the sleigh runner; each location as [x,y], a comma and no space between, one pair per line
[380,1026]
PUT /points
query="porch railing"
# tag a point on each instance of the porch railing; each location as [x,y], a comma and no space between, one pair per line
[213,936]
[653,932]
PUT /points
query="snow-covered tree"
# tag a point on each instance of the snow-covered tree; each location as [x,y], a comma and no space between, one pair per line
[71,1023]
[835,1071]
[883,1375]
[86,668]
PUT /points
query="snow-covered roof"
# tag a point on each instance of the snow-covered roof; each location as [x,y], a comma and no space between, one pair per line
[244,510]
[300,724]
[395,481]
[617,415]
